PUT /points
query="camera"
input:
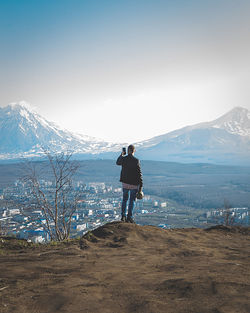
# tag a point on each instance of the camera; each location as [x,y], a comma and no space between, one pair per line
[123,150]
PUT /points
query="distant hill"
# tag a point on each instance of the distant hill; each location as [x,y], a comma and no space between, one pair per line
[24,133]
[226,140]
[126,268]
[195,185]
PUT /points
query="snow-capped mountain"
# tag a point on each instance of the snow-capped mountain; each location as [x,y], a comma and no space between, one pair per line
[225,140]
[236,122]
[23,132]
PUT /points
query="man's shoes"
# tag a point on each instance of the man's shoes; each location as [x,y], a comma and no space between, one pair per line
[123,219]
[130,220]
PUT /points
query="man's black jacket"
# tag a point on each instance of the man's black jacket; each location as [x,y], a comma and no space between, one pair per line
[131,170]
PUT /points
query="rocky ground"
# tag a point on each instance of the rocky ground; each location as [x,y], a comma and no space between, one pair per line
[123,267]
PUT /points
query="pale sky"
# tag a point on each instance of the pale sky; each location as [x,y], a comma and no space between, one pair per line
[125,71]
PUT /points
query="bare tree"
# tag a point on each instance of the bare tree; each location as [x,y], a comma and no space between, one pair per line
[228,214]
[2,231]
[58,200]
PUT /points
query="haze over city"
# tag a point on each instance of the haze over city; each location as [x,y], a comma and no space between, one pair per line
[125,71]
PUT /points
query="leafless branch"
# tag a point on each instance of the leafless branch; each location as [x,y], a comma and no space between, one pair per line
[57,203]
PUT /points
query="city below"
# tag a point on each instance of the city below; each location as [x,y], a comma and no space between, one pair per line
[100,203]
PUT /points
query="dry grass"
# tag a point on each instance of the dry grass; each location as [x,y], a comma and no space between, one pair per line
[124,267]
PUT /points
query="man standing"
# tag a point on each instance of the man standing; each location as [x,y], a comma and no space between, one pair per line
[131,178]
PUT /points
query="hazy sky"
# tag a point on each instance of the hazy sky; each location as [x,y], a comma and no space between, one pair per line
[125,70]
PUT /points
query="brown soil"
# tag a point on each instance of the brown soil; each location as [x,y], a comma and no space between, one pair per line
[123,267]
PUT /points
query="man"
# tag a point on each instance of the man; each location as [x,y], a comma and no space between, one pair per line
[131,178]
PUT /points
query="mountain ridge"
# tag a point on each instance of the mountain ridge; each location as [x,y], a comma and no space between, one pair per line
[24,132]
[225,140]
[221,141]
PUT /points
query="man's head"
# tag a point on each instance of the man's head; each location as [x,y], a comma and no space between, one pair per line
[131,149]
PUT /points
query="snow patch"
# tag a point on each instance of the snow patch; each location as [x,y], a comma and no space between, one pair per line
[24,113]
[23,105]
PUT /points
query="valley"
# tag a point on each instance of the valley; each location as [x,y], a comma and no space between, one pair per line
[176,196]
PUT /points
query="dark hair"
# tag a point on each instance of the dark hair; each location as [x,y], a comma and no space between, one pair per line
[131,148]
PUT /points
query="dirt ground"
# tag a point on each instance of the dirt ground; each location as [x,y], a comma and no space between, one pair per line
[123,267]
